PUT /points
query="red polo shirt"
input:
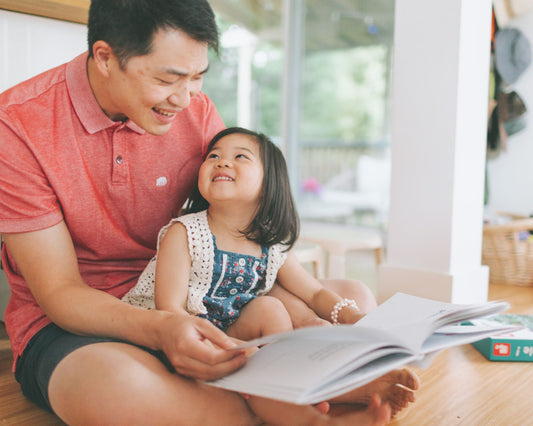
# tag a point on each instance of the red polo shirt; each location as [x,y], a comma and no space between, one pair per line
[114,185]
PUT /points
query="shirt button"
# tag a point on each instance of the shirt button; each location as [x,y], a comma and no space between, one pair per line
[118,160]
[242,262]
[233,291]
[239,279]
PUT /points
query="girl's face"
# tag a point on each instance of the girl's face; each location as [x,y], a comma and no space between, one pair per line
[232,171]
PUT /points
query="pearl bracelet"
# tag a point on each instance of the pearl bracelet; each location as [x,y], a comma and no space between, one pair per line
[339,306]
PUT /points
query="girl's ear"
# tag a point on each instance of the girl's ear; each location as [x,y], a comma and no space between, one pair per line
[103,57]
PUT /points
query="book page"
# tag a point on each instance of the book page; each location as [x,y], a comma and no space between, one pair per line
[458,335]
[402,310]
[292,369]
[326,333]
[359,377]
[311,364]
[416,318]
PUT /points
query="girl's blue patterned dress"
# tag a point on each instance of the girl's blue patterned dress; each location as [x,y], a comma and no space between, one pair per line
[236,280]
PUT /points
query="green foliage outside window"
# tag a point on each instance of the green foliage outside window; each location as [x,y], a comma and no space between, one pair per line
[344,92]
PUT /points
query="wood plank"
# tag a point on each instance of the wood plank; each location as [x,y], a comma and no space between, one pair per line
[67,10]
[462,387]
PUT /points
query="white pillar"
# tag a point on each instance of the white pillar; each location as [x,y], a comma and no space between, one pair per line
[439,124]
[245,42]
[293,17]
[244,88]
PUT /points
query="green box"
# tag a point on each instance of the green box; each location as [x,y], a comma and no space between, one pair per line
[516,346]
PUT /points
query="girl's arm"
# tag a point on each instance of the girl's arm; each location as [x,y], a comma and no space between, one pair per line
[172,270]
[295,279]
[171,287]
[172,273]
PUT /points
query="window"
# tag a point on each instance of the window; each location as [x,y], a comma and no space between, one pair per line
[341,162]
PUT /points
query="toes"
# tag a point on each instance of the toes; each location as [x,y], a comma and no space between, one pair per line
[401,396]
[408,379]
[401,399]
[323,407]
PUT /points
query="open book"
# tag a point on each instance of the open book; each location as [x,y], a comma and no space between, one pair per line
[314,364]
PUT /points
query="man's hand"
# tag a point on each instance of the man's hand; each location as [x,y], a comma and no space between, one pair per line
[198,349]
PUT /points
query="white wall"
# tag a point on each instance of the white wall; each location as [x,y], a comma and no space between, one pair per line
[31,44]
[511,172]
[28,46]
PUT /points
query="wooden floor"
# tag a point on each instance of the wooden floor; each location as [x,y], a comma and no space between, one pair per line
[459,388]
[462,388]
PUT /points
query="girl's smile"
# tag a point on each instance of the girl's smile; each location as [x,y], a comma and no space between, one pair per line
[222,177]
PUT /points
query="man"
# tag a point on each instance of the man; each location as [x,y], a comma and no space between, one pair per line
[95,157]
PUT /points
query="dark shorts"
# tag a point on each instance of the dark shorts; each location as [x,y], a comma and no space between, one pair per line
[43,353]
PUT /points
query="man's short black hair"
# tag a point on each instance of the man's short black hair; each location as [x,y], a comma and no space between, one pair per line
[128,26]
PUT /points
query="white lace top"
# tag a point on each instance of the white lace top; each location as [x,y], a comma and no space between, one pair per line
[201,250]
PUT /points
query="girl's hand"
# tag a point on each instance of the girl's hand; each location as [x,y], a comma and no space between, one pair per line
[350,315]
[197,349]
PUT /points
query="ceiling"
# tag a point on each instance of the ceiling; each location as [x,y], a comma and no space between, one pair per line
[332,24]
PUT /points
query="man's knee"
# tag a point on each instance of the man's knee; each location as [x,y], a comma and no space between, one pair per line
[353,289]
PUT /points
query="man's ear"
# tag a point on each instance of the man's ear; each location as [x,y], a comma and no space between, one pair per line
[103,57]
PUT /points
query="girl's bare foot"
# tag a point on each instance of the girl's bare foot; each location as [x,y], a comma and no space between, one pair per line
[377,413]
[396,388]
[283,414]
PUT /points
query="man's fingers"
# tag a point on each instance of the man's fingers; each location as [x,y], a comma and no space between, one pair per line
[191,367]
[206,352]
[215,335]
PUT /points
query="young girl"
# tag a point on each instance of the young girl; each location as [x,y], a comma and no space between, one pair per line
[234,244]
[221,259]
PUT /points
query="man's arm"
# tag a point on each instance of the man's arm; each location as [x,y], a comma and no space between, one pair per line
[48,262]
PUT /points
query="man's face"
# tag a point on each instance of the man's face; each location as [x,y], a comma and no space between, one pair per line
[153,88]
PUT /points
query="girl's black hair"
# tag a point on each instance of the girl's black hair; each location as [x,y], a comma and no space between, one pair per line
[276,220]
[129,25]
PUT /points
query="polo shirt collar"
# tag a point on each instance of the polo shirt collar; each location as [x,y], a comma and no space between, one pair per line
[91,116]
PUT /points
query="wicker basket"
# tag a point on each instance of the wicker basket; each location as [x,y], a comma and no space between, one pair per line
[508,251]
